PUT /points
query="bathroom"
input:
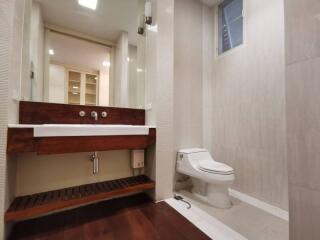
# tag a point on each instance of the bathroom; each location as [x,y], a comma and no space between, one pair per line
[159,119]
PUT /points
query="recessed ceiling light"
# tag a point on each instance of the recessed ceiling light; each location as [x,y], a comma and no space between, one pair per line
[106,63]
[139,70]
[92,4]
[51,51]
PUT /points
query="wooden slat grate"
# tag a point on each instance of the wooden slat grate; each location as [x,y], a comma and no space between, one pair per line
[46,202]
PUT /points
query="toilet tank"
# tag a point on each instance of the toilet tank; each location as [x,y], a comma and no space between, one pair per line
[187,159]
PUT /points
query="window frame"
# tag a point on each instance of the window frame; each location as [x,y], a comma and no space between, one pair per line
[216,30]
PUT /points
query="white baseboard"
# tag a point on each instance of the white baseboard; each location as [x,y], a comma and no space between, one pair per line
[278,212]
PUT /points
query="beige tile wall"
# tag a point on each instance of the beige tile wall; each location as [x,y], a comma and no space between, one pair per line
[49,172]
[5,25]
[304,213]
[188,102]
[151,69]
[303,116]
[208,37]
[248,105]
[159,96]
[302,30]
[164,88]
[11,38]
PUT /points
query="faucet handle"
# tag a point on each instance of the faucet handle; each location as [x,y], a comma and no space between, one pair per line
[82,113]
[104,114]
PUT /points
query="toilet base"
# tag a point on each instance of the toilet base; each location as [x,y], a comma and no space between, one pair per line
[213,194]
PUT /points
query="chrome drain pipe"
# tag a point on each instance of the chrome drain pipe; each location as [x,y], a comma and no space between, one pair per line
[95,160]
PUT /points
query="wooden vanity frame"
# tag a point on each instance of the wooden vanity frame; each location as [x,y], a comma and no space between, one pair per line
[54,113]
[21,140]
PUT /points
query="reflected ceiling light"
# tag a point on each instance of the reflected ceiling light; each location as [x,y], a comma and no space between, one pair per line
[75,87]
[106,63]
[153,28]
[128,59]
[51,52]
[139,70]
[92,4]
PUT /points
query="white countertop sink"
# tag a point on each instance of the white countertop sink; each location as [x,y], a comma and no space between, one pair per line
[68,130]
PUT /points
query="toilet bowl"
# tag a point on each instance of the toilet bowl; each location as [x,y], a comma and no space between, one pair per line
[211,179]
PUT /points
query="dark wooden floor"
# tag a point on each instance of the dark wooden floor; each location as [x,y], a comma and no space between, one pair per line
[135,217]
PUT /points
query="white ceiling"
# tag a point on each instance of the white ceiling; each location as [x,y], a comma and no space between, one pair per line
[210,2]
[106,22]
[70,51]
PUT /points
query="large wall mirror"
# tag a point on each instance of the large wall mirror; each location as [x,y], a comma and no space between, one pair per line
[85,52]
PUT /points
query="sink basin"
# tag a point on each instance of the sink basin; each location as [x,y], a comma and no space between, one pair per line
[68,130]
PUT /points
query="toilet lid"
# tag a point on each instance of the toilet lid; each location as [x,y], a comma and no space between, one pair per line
[215,167]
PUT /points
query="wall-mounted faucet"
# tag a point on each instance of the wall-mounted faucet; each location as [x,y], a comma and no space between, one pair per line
[94,114]
[94,158]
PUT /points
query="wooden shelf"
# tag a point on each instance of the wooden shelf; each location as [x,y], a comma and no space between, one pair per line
[74,81]
[47,202]
[91,83]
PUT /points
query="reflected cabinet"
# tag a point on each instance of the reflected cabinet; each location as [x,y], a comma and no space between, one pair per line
[82,87]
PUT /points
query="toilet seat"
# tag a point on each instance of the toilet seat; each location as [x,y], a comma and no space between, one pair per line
[213,167]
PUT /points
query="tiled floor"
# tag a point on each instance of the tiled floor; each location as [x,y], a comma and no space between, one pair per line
[242,221]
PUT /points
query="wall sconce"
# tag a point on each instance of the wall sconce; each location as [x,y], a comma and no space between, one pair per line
[147,9]
[141,24]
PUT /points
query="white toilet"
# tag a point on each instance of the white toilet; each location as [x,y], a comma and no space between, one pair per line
[210,179]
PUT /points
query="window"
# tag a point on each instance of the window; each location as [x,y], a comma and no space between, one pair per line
[230,24]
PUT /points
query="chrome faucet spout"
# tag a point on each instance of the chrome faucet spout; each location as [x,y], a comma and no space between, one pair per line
[94,114]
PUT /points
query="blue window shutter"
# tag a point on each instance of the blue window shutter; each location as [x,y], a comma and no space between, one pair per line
[230,24]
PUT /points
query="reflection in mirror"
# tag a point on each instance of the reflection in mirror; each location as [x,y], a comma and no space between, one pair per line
[85,55]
